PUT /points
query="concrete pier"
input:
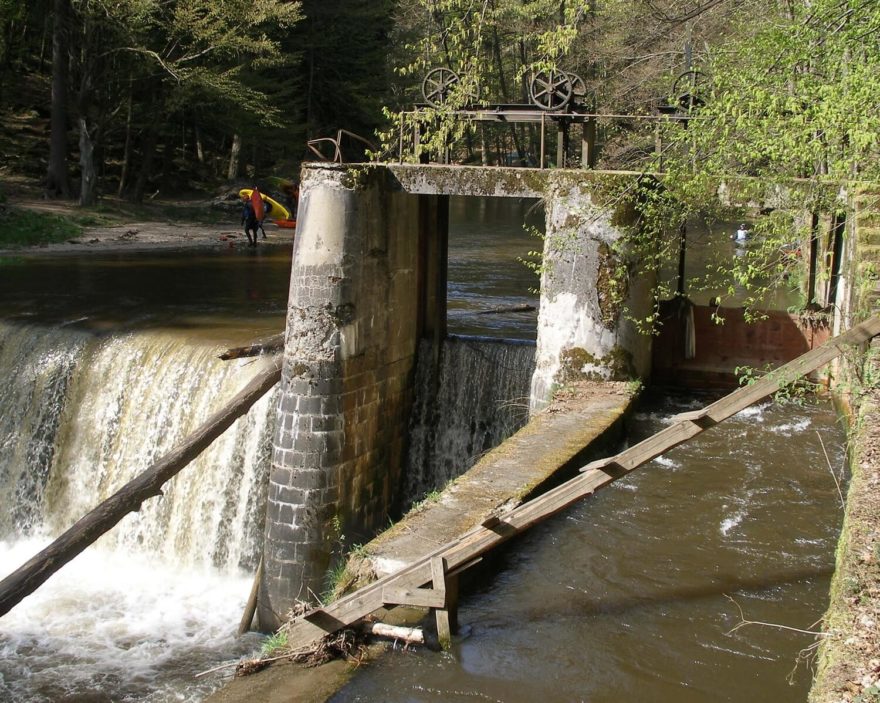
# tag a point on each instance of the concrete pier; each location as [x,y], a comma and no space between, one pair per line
[360,298]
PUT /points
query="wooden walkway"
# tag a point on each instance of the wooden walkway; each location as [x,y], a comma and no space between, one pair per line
[431,581]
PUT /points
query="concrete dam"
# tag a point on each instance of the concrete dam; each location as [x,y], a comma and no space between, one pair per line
[368,304]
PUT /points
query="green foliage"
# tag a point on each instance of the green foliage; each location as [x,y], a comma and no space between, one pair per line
[336,577]
[28,228]
[492,46]
[793,388]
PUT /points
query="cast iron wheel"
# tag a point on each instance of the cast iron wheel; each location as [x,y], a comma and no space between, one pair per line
[438,85]
[686,92]
[551,90]
[578,87]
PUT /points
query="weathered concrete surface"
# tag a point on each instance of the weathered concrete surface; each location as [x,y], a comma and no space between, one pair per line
[285,682]
[433,179]
[584,422]
[589,292]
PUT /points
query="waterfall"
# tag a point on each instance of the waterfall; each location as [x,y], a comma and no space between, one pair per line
[82,415]
[477,397]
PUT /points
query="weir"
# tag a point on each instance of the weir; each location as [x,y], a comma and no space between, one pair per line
[367,298]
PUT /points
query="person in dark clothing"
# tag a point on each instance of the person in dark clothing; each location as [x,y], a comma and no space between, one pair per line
[250,222]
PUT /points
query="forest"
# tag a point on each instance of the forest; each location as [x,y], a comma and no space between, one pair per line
[134,97]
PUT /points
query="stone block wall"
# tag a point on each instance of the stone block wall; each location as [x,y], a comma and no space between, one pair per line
[355,312]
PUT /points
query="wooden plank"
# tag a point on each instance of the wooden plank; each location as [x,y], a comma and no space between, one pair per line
[444,615]
[477,541]
[416,597]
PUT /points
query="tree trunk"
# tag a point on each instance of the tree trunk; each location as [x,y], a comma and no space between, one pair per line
[234,157]
[149,155]
[126,151]
[200,150]
[88,193]
[57,178]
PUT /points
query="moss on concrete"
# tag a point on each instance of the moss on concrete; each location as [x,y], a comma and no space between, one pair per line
[611,287]
[617,365]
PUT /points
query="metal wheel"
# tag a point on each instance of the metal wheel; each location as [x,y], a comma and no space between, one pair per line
[551,90]
[578,87]
[438,85]
[686,90]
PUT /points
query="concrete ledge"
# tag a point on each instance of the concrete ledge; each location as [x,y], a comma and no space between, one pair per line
[584,424]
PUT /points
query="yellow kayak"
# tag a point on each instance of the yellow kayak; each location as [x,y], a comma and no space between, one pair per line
[274,209]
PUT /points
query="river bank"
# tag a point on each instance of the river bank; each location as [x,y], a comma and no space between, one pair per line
[848,667]
[119,226]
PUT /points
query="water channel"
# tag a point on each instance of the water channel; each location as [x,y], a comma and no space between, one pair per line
[110,359]
[632,595]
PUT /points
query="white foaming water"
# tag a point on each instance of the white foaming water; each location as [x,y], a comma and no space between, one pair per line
[119,625]
[791,428]
[667,463]
[729,523]
[753,412]
[159,597]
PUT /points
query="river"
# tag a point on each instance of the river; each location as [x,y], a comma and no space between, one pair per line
[635,594]
[109,359]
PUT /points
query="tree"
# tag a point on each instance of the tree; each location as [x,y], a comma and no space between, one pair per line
[790,109]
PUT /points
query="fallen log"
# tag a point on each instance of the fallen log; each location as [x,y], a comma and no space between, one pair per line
[410,635]
[270,346]
[509,308]
[31,575]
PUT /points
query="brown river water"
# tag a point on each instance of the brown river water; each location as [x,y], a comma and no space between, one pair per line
[634,594]
[623,597]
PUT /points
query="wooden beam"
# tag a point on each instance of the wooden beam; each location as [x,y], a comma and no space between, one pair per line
[479,540]
[446,616]
[30,576]
[416,597]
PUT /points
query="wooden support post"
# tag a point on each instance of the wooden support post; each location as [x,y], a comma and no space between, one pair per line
[447,616]
[417,138]
[561,133]
[251,607]
[588,143]
[543,138]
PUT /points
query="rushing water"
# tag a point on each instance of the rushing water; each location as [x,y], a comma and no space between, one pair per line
[634,594]
[108,363]
[110,360]
[476,398]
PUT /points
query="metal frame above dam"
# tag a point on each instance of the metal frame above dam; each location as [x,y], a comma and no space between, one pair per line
[368,284]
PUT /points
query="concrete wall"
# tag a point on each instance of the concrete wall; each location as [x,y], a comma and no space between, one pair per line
[583,333]
[358,303]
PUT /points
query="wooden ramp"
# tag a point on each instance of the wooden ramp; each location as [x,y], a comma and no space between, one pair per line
[431,580]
